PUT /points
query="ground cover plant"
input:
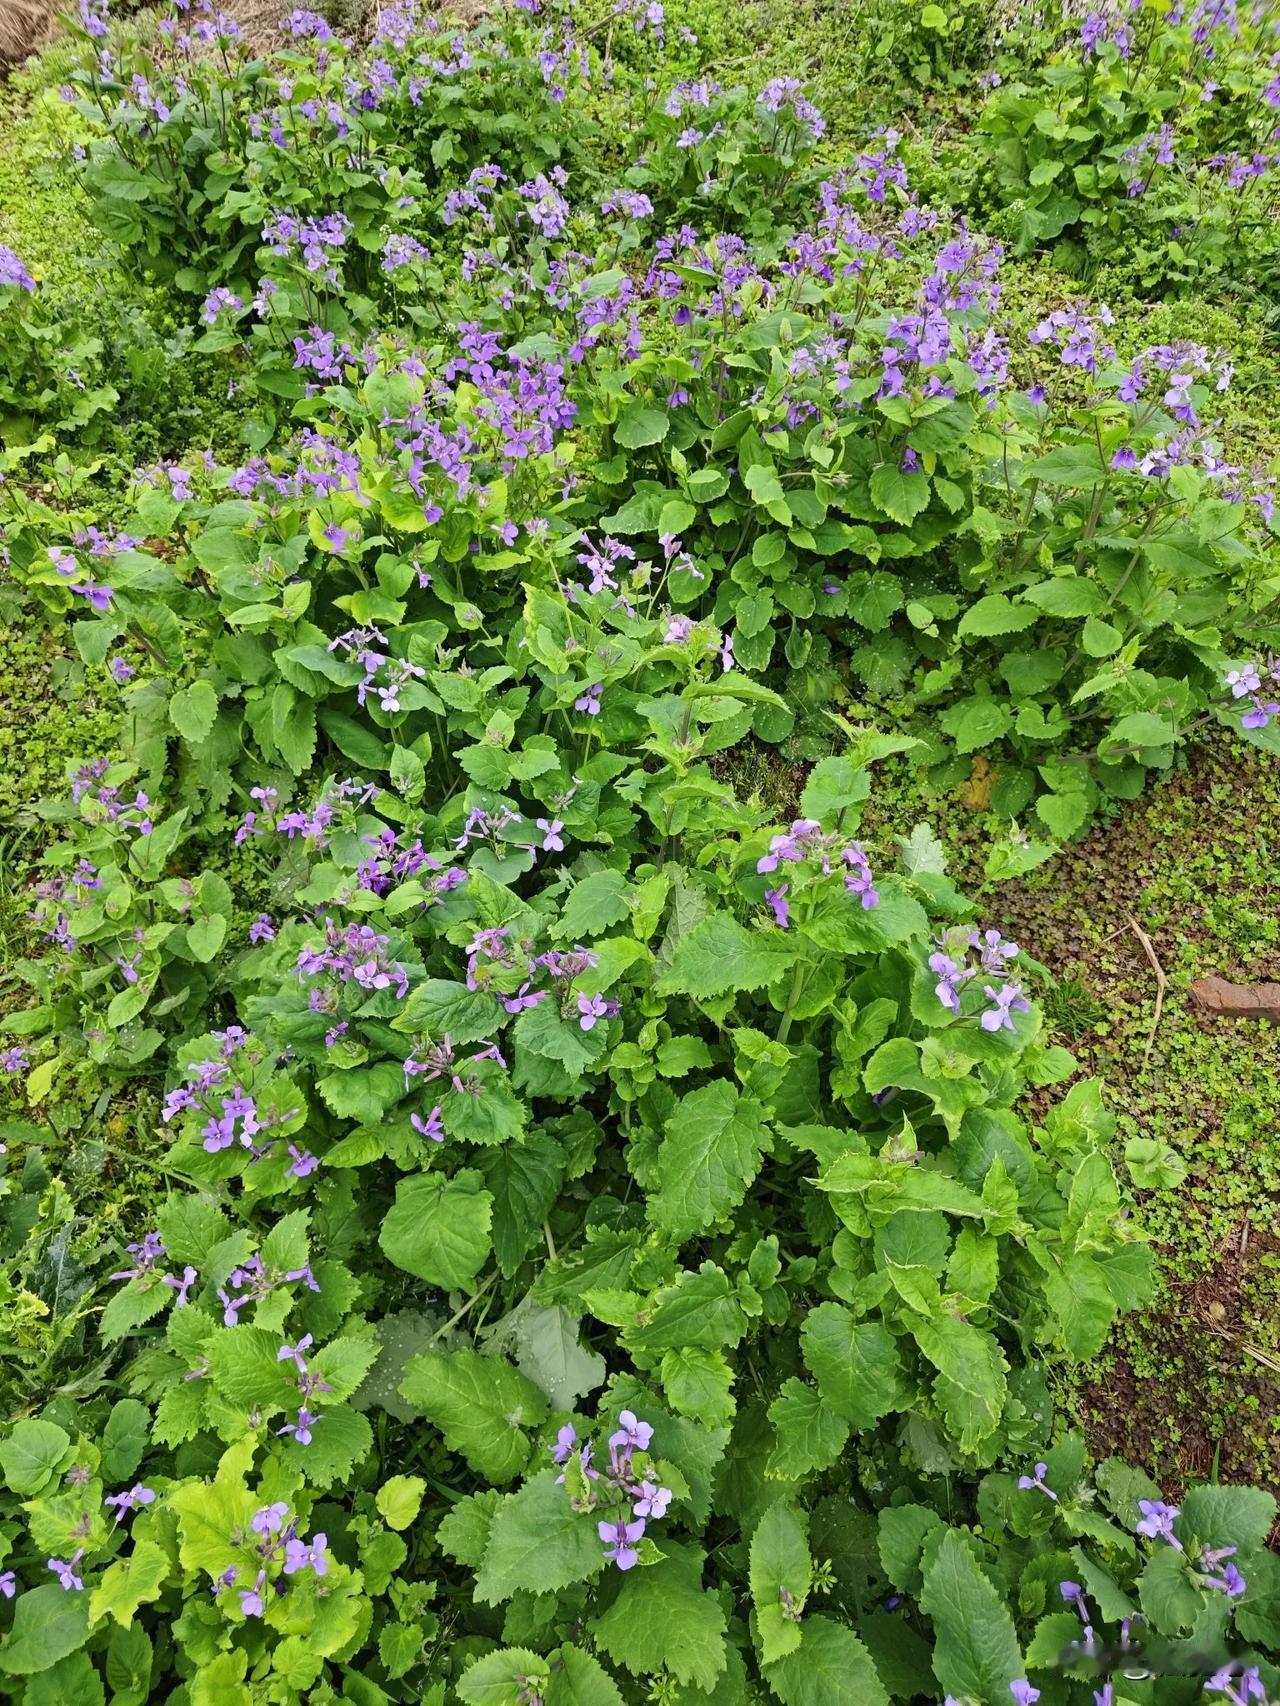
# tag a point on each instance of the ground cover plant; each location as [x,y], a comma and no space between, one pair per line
[497,1207]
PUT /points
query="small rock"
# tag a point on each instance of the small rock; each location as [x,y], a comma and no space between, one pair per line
[1237,1000]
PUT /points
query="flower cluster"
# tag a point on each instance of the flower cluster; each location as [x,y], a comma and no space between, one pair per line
[623,1485]
[1255,681]
[806,843]
[281,1552]
[953,969]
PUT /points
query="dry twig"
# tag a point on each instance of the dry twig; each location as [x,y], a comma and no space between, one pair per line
[1162,983]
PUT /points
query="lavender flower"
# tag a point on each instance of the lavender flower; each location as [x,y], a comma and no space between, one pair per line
[1157,1521]
[1028,1483]
[620,1539]
[65,1570]
[131,1499]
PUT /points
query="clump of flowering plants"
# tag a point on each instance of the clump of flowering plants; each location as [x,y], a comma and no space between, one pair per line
[600,1224]
[1152,129]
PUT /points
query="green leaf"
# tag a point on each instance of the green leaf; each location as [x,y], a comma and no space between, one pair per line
[975,723]
[699,1383]
[809,1434]
[902,1534]
[48,1623]
[438,1228]
[438,1008]
[594,903]
[124,1439]
[193,711]
[781,1571]
[130,1582]
[480,1404]
[400,1499]
[537,1540]
[1067,595]
[995,614]
[639,425]
[976,1649]
[1142,728]
[31,1455]
[970,1383]
[856,1364]
[206,936]
[579,1679]
[1062,814]
[899,494]
[719,954]
[500,1679]
[547,1346]
[711,1151]
[663,1619]
[1166,1594]
[523,1179]
[830,1667]
[1228,1516]
[1077,1293]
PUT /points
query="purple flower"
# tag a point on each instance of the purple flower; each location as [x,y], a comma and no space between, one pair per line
[1028,1483]
[99,597]
[14,1059]
[180,1286]
[1230,1582]
[1007,1000]
[590,700]
[653,1500]
[270,1519]
[619,1540]
[551,839]
[131,1499]
[262,929]
[66,1571]
[301,1429]
[251,1598]
[303,1162]
[12,271]
[566,1439]
[1023,1693]
[777,902]
[432,1126]
[121,671]
[632,1435]
[590,1009]
[1157,1521]
[8,1583]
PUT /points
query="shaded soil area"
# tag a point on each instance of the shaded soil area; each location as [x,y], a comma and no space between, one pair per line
[1189,1386]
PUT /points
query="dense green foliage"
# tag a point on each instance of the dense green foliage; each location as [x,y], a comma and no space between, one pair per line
[602,1243]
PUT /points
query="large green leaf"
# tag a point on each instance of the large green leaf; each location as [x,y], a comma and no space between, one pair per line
[438,1228]
[480,1404]
[976,1650]
[537,1543]
[719,954]
[781,1571]
[829,1667]
[710,1153]
[664,1619]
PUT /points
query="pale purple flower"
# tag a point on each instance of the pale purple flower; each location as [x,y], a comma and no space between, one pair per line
[432,1127]
[65,1570]
[131,1499]
[1157,1521]
[778,904]
[653,1500]
[620,1541]
[1036,1482]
